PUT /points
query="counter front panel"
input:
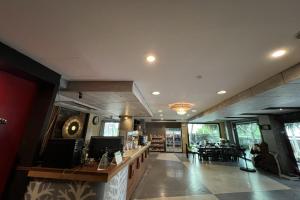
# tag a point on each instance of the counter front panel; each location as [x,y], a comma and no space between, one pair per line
[87,183]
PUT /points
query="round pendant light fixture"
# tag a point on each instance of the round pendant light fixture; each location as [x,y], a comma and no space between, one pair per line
[181,107]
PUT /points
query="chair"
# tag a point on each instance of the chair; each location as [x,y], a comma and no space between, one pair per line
[190,150]
[202,153]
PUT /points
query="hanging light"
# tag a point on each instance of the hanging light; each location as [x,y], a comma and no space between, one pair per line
[181,107]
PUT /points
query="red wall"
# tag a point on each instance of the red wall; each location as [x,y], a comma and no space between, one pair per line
[16,97]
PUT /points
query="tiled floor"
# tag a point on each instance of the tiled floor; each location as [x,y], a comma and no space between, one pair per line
[172,176]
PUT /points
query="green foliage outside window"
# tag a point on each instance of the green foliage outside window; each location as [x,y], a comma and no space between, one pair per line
[293,133]
[198,133]
[248,134]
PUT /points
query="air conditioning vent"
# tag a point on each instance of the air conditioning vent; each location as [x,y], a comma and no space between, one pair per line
[165,120]
[74,104]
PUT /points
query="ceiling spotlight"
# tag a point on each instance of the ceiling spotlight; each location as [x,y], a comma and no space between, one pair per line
[160,111]
[156,93]
[194,111]
[151,59]
[278,53]
[221,92]
[280,109]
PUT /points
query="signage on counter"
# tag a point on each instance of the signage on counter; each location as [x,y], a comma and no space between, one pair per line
[118,157]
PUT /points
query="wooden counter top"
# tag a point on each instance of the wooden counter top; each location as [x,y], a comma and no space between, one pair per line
[86,172]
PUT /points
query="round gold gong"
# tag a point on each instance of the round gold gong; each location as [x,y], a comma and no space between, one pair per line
[72,127]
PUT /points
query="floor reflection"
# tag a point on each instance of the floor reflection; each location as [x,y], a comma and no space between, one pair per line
[173,176]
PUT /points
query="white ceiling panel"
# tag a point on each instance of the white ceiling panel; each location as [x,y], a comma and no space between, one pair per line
[228,43]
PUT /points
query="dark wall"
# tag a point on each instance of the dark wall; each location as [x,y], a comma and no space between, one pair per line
[290,117]
[159,127]
[39,89]
[278,142]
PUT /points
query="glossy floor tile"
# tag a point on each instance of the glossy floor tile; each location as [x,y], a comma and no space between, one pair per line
[165,178]
[230,179]
[266,195]
[167,156]
[198,197]
[173,176]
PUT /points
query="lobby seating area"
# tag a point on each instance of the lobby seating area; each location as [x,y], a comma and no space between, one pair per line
[214,153]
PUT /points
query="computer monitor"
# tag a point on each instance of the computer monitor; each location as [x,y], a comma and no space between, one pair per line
[99,144]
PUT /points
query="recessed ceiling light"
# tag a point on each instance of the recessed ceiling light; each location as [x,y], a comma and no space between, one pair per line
[161,115]
[194,110]
[156,93]
[150,59]
[221,92]
[159,110]
[199,76]
[280,109]
[278,53]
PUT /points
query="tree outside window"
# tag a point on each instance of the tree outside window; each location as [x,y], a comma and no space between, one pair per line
[248,134]
[198,133]
[293,133]
[111,129]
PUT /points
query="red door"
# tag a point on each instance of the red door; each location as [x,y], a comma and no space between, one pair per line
[16,97]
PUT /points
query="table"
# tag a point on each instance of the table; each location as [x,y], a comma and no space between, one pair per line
[218,153]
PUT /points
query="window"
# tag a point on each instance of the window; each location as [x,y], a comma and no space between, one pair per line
[111,129]
[199,133]
[248,134]
[293,133]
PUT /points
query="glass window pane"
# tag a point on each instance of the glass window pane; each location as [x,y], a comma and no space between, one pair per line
[111,129]
[293,132]
[201,133]
[248,134]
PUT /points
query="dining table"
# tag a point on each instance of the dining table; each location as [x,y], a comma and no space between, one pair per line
[218,153]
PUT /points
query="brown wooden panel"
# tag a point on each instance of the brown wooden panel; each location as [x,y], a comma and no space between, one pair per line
[139,169]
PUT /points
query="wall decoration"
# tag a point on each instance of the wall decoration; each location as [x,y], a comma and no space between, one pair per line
[72,127]
[96,120]
[63,115]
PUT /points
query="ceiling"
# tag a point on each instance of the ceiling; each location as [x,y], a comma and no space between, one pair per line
[279,100]
[109,98]
[228,44]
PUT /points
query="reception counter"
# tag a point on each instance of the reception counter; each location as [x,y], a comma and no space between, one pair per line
[86,182]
